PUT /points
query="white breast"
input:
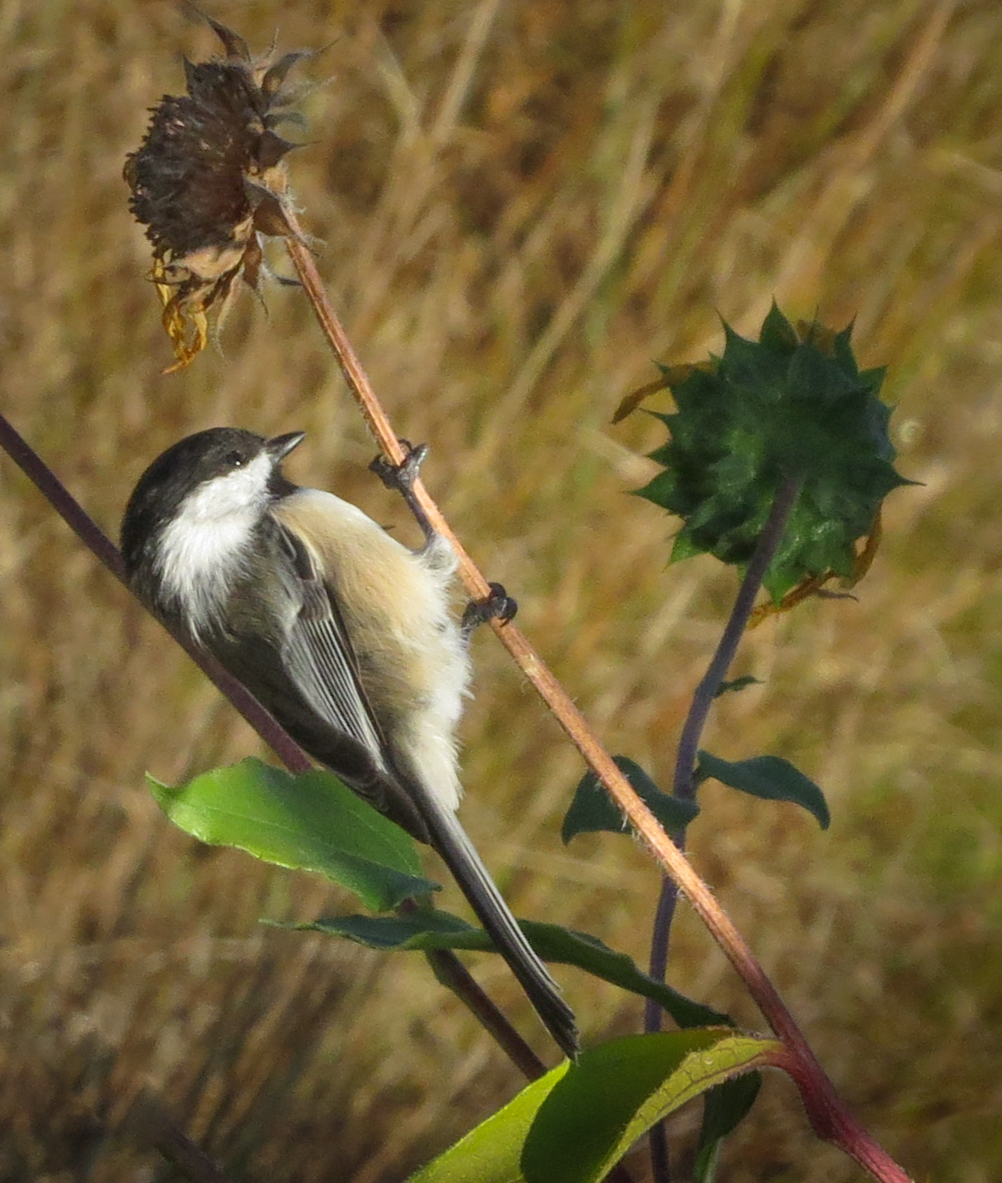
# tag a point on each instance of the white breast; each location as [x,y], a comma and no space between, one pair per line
[202,549]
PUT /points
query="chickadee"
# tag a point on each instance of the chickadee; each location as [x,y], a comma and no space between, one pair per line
[345,635]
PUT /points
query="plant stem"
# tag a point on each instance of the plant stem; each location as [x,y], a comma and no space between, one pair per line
[149,1120]
[765,549]
[451,972]
[281,743]
[660,1160]
[817,1091]
[94,538]
[683,784]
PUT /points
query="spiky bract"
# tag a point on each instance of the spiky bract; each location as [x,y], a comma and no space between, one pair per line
[792,404]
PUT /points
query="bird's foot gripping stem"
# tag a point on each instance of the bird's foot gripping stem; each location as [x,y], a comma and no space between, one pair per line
[498,606]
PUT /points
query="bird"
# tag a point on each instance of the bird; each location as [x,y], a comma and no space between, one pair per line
[343,633]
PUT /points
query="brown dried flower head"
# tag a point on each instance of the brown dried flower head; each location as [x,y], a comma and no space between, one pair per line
[208,180]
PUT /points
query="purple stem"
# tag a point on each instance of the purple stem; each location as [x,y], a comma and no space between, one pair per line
[683,784]
[444,962]
[94,538]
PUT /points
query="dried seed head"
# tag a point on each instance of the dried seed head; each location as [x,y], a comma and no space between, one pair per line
[208,179]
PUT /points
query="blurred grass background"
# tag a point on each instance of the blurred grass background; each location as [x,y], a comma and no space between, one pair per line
[521,204]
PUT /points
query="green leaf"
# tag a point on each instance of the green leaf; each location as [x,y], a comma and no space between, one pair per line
[420,931]
[725,1106]
[573,1124]
[310,822]
[592,809]
[554,943]
[615,1093]
[492,1152]
[684,547]
[430,928]
[768,777]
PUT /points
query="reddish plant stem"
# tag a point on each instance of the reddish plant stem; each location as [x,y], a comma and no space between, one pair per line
[819,1095]
[831,1120]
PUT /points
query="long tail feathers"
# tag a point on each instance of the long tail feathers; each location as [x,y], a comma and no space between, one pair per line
[450,840]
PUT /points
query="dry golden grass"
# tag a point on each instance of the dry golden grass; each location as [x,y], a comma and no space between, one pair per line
[522,204]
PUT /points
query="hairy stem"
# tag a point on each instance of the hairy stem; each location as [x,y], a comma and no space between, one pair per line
[817,1091]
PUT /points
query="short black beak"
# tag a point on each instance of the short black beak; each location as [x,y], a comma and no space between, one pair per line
[279,447]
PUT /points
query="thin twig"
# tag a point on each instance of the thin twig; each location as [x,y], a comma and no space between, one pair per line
[451,972]
[149,1120]
[94,538]
[280,742]
[826,1111]
[684,785]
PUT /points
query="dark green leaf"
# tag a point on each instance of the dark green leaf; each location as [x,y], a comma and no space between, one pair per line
[310,823]
[433,929]
[777,332]
[592,809]
[685,546]
[770,778]
[420,931]
[660,490]
[725,1106]
[554,943]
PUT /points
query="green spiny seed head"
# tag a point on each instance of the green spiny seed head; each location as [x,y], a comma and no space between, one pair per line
[790,405]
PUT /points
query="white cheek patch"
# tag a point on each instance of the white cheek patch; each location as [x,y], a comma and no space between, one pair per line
[203,548]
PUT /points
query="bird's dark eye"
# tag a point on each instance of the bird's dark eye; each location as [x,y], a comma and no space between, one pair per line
[235,458]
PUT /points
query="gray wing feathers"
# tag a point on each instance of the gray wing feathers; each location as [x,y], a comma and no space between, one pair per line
[319,659]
